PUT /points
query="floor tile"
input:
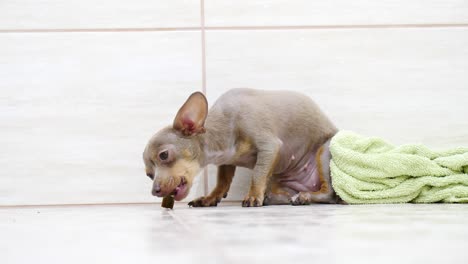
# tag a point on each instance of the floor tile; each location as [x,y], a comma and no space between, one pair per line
[228,233]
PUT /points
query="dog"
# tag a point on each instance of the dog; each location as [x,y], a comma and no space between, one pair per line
[282,136]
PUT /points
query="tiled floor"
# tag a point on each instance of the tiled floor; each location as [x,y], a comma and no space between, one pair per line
[145,233]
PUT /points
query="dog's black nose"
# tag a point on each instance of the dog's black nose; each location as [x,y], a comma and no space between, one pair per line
[156,190]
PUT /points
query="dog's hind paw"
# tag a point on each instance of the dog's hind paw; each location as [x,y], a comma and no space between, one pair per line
[300,199]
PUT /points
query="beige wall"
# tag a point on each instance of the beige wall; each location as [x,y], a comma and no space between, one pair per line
[83,84]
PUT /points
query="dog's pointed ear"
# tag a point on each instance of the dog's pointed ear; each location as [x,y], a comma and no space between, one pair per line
[190,119]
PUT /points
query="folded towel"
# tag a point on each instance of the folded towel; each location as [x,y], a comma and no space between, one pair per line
[369,170]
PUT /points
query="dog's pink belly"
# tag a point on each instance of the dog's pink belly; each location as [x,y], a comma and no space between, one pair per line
[302,174]
[304,179]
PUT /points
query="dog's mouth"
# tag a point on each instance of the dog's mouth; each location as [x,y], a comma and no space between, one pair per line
[181,191]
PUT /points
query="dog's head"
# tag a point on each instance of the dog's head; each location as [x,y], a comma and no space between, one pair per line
[173,156]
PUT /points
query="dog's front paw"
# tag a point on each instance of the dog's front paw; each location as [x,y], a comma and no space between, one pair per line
[252,201]
[205,201]
[300,199]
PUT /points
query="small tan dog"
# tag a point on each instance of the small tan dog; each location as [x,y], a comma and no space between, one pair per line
[282,136]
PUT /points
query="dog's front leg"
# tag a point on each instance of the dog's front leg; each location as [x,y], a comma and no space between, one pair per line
[267,157]
[224,180]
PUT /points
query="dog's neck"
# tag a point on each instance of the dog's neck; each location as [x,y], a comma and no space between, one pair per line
[218,146]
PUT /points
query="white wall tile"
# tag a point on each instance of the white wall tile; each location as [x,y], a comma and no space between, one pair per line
[77,109]
[406,85]
[333,12]
[32,14]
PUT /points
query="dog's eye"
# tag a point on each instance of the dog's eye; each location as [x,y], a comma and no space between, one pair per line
[164,155]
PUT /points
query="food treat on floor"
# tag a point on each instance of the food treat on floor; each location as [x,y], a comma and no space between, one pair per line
[168,202]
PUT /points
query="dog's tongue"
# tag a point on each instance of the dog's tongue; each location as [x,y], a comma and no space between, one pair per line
[180,192]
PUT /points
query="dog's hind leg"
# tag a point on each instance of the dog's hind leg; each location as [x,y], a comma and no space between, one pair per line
[326,194]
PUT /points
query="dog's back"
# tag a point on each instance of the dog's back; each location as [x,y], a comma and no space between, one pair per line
[292,117]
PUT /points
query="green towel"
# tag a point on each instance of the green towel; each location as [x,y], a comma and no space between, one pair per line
[369,170]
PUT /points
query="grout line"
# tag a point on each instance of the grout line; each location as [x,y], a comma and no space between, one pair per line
[205,181]
[204,28]
[202,20]
[184,203]
[204,239]
[79,30]
[179,221]
[203,54]
[296,27]
[79,204]
[95,204]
